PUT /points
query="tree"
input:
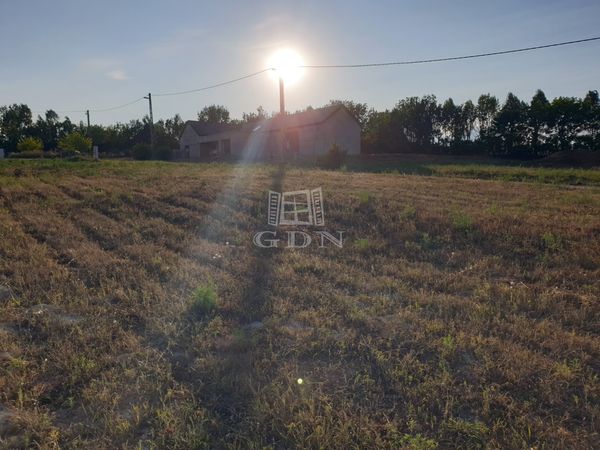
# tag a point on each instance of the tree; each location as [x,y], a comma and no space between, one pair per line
[456,123]
[257,116]
[50,129]
[539,116]
[76,143]
[418,119]
[451,122]
[166,136]
[510,127]
[141,151]
[378,136]
[360,111]
[30,144]
[469,116]
[566,114]
[174,127]
[15,120]
[485,113]
[590,110]
[214,114]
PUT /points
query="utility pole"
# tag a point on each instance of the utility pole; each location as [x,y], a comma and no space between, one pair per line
[281,121]
[149,98]
[87,113]
[281,97]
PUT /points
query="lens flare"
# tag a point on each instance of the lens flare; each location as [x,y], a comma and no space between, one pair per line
[286,64]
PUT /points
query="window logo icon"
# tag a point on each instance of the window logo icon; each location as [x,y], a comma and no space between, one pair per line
[296,208]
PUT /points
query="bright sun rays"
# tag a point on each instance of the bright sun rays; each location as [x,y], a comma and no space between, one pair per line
[286,64]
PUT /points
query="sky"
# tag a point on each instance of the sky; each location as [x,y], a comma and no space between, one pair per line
[77,54]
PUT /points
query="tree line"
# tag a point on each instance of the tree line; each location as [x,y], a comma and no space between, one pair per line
[513,128]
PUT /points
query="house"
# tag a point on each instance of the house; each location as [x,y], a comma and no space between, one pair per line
[307,133]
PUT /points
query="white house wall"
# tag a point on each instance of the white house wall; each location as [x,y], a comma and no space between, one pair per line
[189,142]
[192,141]
[341,128]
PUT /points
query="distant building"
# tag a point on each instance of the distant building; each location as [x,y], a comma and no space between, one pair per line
[308,133]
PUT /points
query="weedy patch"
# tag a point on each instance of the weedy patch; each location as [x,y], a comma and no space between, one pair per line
[552,242]
[461,221]
[204,300]
[448,346]
[364,198]
[466,434]
[362,244]
[416,442]
[409,212]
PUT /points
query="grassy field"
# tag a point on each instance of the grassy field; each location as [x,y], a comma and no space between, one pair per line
[135,312]
[484,168]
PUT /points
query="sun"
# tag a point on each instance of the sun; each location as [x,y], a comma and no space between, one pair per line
[287,65]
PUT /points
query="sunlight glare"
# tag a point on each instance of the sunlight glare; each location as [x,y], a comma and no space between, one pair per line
[286,64]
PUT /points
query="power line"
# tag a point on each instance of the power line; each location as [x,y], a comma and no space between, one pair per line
[212,86]
[93,110]
[452,58]
[341,66]
[117,107]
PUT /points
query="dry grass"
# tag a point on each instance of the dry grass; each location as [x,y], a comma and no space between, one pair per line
[459,314]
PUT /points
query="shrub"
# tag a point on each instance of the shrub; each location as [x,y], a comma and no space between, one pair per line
[75,143]
[364,197]
[163,153]
[204,299]
[333,159]
[143,152]
[362,244]
[416,442]
[552,242]
[28,154]
[30,144]
[461,221]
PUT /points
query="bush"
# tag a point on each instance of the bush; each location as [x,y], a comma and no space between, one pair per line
[333,159]
[143,152]
[30,144]
[163,153]
[204,299]
[75,143]
[28,154]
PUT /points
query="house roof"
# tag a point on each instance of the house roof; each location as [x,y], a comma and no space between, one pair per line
[205,128]
[300,119]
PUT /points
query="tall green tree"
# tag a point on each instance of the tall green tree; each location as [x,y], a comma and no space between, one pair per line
[360,111]
[418,119]
[539,122]
[486,110]
[50,129]
[450,122]
[567,120]
[379,136]
[15,123]
[214,114]
[174,126]
[469,116]
[591,121]
[510,127]
[253,117]
[75,142]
